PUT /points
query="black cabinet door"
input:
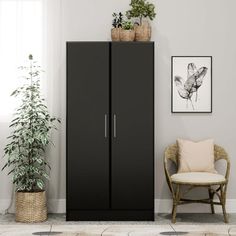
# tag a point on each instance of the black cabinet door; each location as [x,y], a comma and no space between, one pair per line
[87,125]
[132,126]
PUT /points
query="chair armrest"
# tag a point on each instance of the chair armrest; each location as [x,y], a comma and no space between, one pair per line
[221,154]
[167,174]
[227,167]
[170,155]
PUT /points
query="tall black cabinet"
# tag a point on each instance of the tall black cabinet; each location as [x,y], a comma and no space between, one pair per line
[110,131]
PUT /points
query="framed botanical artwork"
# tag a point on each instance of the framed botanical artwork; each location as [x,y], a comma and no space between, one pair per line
[191,84]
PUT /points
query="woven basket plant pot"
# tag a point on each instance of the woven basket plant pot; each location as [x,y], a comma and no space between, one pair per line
[127,35]
[143,33]
[115,34]
[31,207]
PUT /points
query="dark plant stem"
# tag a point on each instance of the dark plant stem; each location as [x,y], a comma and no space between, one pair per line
[141,20]
[31,102]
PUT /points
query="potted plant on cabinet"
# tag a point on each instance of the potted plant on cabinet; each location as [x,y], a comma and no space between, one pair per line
[127,32]
[25,151]
[117,24]
[142,9]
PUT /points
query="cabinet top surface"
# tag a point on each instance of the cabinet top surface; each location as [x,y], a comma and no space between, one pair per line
[111,42]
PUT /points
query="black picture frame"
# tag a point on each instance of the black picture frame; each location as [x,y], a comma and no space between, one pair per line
[191,60]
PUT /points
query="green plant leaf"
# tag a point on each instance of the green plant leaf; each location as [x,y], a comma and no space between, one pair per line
[40,184]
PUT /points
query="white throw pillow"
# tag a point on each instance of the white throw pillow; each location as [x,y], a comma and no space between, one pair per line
[196,156]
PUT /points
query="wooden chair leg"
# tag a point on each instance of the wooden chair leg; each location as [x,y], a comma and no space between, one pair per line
[174,210]
[211,200]
[175,204]
[223,200]
[225,214]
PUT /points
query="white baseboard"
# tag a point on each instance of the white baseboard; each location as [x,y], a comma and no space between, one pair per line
[161,206]
[165,206]
[4,205]
[56,205]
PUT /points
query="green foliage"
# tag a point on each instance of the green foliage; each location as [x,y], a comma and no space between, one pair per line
[140,9]
[31,128]
[127,25]
[117,20]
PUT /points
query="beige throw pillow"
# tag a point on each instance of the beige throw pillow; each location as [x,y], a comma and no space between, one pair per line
[196,156]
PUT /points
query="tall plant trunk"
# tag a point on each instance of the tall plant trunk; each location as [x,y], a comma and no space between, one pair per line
[141,20]
[31,102]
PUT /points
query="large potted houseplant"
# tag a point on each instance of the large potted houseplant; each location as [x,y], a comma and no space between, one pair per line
[117,24]
[25,152]
[141,10]
[127,32]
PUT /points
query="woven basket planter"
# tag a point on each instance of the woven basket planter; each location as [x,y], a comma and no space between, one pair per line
[31,207]
[143,33]
[127,35]
[115,34]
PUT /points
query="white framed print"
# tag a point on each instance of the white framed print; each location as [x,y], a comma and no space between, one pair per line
[191,84]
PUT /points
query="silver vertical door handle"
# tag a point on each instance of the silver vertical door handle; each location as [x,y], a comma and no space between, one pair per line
[114,123]
[105,127]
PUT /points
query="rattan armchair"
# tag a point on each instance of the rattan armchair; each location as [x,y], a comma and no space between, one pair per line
[216,187]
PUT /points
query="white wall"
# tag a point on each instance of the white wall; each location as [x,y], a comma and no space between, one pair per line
[183,27]
[196,27]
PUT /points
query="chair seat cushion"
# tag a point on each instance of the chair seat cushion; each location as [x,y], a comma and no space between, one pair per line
[198,178]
